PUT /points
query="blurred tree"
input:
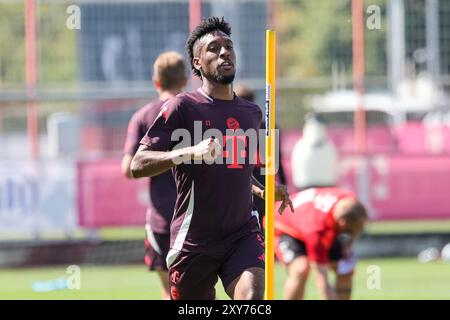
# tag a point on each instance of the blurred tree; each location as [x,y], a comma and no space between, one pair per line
[376,51]
[12,48]
[56,44]
[315,34]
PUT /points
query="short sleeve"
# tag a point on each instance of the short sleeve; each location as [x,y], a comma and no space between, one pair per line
[158,136]
[316,249]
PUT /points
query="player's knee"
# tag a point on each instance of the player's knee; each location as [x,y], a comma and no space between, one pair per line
[252,293]
[299,272]
[256,294]
[250,286]
[299,268]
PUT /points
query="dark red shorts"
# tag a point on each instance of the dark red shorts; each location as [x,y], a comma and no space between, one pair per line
[193,276]
[156,249]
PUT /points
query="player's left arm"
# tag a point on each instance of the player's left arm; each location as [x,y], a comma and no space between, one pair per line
[344,269]
[344,280]
[281,194]
[257,188]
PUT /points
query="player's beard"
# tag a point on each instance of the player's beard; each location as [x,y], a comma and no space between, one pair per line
[219,78]
[223,79]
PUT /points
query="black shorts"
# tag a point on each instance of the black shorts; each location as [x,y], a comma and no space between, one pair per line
[290,248]
[156,249]
[193,276]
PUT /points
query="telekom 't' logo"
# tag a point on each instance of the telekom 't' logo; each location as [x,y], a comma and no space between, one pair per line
[234,151]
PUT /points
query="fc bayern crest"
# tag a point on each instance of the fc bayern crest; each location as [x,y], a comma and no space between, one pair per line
[232,123]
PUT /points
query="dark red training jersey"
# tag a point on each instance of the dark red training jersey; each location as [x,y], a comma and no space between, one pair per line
[214,201]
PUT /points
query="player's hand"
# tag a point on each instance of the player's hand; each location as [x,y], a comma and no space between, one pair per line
[281,194]
[207,150]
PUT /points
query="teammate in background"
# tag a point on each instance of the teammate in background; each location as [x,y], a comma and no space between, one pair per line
[318,237]
[214,232]
[169,78]
[246,93]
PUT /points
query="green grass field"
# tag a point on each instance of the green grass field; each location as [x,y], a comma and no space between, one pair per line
[400,279]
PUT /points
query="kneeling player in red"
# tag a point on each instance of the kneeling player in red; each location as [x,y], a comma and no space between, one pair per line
[318,237]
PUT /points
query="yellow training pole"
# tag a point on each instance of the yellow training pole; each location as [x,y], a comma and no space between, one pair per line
[270,164]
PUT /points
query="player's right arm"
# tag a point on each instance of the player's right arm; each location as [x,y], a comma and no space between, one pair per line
[149,163]
[159,151]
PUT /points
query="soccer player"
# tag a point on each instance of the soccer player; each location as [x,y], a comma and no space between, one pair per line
[214,232]
[318,237]
[169,78]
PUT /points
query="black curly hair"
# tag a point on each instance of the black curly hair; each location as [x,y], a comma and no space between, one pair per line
[206,26]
